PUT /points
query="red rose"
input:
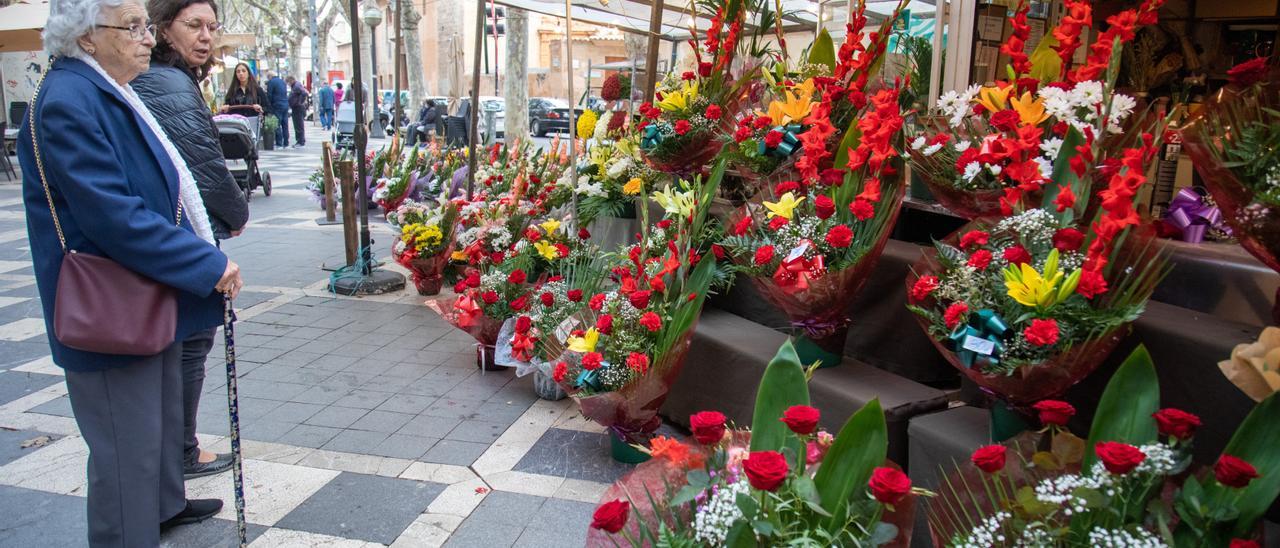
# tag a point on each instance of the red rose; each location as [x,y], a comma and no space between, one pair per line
[497,257]
[1249,72]
[862,209]
[640,299]
[651,321]
[1042,332]
[583,234]
[840,236]
[473,279]
[825,206]
[591,361]
[575,295]
[596,302]
[1068,239]
[460,286]
[688,75]
[1017,255]
[611,516]
[956,314]
[638,362]
[773,138]
[1176,423]
[489,297]
[520,304]
[523,323]
[1119,458]
[1054,412]
[1241,543]
[980,259]
[989,459]
[560,371]
[547,298]
[923,287]
[704,69]
[517,277]
[740,228]
[764,255]
[713,112]
[604,324]
[1005,120]
[707,426]
[889,486]
[801,419]
[1234,472]
[682,127]
[1091,284]
[974,238]
[766,470]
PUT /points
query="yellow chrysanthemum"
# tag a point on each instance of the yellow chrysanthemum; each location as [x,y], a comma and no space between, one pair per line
[633,187]
[550,225]
[1031,288]
[587,124]
[784,207]
[458,255]
[548,251]
[994,98]
[585,343]
[1030,109]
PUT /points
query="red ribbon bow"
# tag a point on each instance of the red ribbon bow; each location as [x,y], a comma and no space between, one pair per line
[794,275]
[468,311]
[522,347]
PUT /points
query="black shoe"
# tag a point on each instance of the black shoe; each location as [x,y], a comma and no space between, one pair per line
[197,510]
[220,464]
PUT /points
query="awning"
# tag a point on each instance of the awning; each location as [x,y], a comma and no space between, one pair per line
[21,24]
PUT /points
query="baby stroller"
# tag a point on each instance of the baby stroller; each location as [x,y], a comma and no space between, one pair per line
[239,136]
[344,126]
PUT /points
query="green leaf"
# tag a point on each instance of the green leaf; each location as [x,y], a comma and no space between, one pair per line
[860,447]
[747,504]
[849,141]
[1255,442]
[698,478]
[762,527]
[883,533]
[783,385]
[1062,175]
[805,488]
[685,495]
[740,536]
[1124,412]
[823,51]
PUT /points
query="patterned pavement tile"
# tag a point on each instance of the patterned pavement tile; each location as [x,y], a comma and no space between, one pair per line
[363,507]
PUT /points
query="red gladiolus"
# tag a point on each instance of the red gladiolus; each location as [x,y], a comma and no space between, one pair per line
[1091,284]
[777,222]
[560,370]
[489,297]
[592,361]
[651,321]
[640,299]
[1234,472]
[704,69]
[575,295]
[824,206]
[766,470]
[764,255]
[604,324]
[1066,198]
[638,362]
[980,259]
[707,426]
[596,302]
[974,238]
[547,298]
[1017,255]
[889,486]
[831,177]
[517,277]
[1054,412]
[682,127]
[713,112]
[1119,458]
[923,288]
[862,209]
[1176,423]
[1249,72]
[1068,239]
[611,516]
[956,314]
[801,419]
[1042,332]
[840,236]
[989,459]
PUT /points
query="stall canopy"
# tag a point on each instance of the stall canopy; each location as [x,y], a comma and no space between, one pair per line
[21,24]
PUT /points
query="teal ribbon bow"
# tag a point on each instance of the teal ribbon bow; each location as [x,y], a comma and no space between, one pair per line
[588,379]
[790,141]
[980,340]
[651,137]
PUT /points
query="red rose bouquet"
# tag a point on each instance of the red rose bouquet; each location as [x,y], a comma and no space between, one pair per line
[782,483]
[1235,144]
[1132,483]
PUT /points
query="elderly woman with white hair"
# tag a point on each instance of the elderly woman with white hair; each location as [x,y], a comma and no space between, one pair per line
[107,193]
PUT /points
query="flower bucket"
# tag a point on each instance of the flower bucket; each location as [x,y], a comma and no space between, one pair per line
[624,452]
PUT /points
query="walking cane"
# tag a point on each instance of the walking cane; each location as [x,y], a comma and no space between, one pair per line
[233,406]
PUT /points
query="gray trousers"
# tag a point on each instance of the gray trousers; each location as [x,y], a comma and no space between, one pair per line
[131,419]
[194,351]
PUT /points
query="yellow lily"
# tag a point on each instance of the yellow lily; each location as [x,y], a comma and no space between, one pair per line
[796,106]
[547,250]
[585,343]
[599,156]
[675,203]
[784,207]
[1029,109]
[1031,288]
[994,98]
[633,187]
[550,225]
[678,100]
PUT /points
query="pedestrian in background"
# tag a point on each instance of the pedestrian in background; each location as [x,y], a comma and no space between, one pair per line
[185,32]
[94,158]
[324,104]
[278,97]
[337,93]
[298,107]
[244,92]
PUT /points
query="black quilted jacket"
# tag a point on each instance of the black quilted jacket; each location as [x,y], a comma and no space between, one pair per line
[174,99]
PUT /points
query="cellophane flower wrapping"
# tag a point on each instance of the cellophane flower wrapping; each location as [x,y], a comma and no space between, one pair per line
[464,313]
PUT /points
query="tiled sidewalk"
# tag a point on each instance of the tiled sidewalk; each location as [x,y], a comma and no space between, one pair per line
[365,421]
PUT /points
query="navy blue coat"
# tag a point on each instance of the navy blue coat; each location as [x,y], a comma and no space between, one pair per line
[116,193]
[278,94]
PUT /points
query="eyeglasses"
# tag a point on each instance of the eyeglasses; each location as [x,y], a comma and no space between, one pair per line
[194,25]
[137,31]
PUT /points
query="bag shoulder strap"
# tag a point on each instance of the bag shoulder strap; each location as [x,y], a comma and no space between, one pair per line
[35,146]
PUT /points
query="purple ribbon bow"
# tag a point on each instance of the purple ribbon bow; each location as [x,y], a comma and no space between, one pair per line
[1189,212]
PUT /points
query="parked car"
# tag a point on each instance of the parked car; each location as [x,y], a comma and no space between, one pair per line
[489,103]
[549,115]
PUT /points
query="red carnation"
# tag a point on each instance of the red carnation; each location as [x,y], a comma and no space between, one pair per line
[956,314]
[980,259]
[562,250]
[559,372]
[923,287]
[740,228]
[547,298]
[777,222]
[1234,472]
[713,112]
[517,277]
[497,257]
[682,127]
[523,323]
[1119,458]
[704,69]
[1054,412]
[1176,423]
[575,295]
[974,238]
[640,299]
[688,75]
[1242,543]
[785,187]
[840,236]
[1042,332]
[762,122]
[989,459]
[1005,120]
[773,138]
[604,324]
[489,297]
[1091,284]
[611,516]
[824,206]
[651,321]
[596,301]
[1017,255]
[591,361]
[1249,72]
[862,209]
[707,426]
[741,134]
[889,486]
[638,362]
[763,255]
[766,470]
[520,304]
[1068,239]
[801,419]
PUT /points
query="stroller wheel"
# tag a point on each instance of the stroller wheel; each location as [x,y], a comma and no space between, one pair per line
[266,184]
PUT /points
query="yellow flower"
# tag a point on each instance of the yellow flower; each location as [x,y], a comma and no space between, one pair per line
[550,225]
[784,207]
[1031,288]
[585,343]
[633,187]
[993,98]
[675,203]
[458,255]
[587,124]
[1029,109]
[548,251]
[678,100]
[796,106]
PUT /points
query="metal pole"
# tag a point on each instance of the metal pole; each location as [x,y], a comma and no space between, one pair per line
[315,53]
[494,7]
[573,123]
[373,56]
[399,110]
[651,63]
[474,123]
[361,138]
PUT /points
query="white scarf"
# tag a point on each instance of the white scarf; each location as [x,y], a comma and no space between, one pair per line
[188,192]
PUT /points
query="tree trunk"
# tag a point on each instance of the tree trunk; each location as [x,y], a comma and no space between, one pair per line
[295,60]
[516,88]
[323,28]
[413,56]
[450,51]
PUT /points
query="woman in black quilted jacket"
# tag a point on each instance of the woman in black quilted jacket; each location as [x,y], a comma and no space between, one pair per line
[185,32]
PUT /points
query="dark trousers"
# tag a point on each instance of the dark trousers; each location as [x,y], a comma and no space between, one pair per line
[299,129]
[282,133]
[194,351]
[131,419]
